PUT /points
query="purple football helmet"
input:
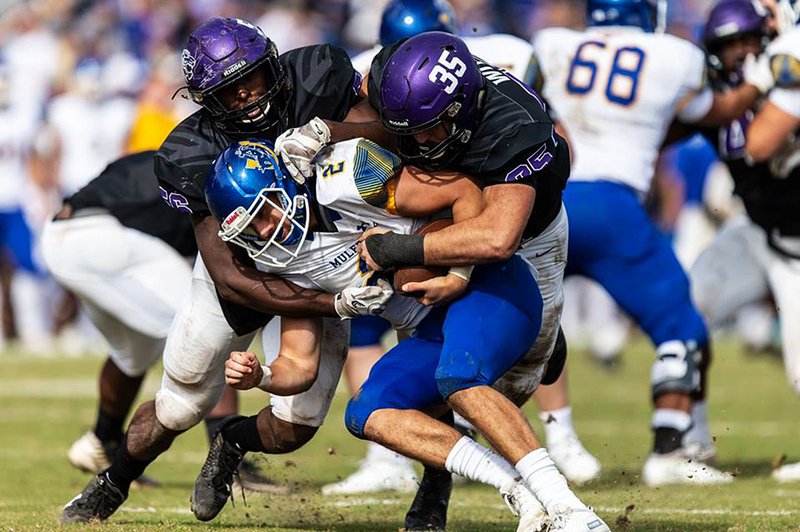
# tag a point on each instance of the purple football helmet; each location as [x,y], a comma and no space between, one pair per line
[730,20]
[428,80]
[222,51]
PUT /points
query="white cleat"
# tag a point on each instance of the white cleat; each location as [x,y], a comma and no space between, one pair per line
[787,473]
[574,461]
[677,468]
[376,475]
[524,504]
[88,454]
[698,443]
[576,520]
[699,451]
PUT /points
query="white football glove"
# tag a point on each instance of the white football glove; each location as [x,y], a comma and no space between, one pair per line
[785,16]
[363,300]
[298,147]
[756,72]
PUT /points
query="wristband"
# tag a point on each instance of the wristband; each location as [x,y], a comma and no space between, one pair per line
[464,272]
[391,249]
[266,378]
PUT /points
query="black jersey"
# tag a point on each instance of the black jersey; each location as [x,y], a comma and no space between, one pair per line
[128,190]
[515,141]
[770,193]
[324,84]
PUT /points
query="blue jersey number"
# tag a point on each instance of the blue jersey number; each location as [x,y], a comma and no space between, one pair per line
[623,79]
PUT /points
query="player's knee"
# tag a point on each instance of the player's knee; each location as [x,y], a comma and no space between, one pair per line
[357,413]
[181,406]
[676,368]
[458,370]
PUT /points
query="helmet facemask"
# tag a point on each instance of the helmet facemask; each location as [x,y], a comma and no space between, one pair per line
[280,249]
[272,106]
[446,151]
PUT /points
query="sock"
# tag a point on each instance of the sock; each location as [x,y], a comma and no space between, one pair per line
[243,433]
[379,453]
[669,427]
[557,424]
[212,424]
[545,481]
[474,461]
[125,468]
[108,428]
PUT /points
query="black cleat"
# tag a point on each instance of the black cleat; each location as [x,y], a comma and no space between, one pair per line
[98,500]
[213,485]
[429,509]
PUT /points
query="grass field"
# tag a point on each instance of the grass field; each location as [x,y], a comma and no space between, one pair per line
[47,403]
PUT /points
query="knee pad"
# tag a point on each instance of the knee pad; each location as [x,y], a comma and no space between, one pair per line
[356,415]
[459,370]
[181,406]
[676,368]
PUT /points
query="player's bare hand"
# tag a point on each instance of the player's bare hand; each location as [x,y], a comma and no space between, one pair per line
[438,290]
[362,250]
[242,370]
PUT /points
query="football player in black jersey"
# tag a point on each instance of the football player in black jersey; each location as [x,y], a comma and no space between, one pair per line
[244,87]
[131,301]
[757,253]
[452,111]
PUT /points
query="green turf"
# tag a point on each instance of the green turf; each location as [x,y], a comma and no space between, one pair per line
[46,404]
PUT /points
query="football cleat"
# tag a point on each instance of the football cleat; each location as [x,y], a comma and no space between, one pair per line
[573,460]
[213,485]
[576,520]
[90,455]
[250,478]
[98,500]
[524,504]
[376,475]
[429,509]
[677,468]
[787,473]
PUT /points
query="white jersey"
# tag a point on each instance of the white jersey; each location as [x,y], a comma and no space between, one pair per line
[784,54]
[616,91]
[500,50]
[355,191]
[91,134]
[16,139]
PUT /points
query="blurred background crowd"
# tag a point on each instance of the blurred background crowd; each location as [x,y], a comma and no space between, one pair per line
[83,82]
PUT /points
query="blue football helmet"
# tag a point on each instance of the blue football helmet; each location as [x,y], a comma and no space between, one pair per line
[248,176]
[406,18]
[650,15]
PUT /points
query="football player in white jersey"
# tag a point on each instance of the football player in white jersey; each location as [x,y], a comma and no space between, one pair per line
[402,19]
[309,236]
[617,87]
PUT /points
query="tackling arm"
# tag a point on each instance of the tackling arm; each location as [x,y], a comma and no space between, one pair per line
[482,239]
[245,285]
[769,132]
